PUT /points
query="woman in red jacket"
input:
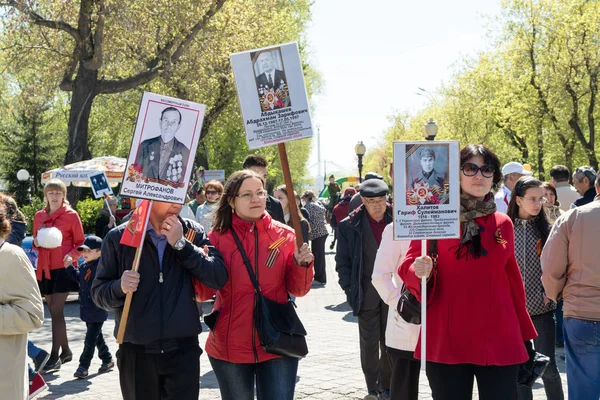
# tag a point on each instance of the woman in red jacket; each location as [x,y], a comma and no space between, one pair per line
[57,233]
[476,316]
[233,346]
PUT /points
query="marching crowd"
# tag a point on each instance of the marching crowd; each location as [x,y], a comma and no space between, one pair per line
[523,278]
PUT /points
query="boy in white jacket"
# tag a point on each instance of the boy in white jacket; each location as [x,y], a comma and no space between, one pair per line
[400,336]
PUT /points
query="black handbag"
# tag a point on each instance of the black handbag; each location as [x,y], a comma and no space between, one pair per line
[408,306]
[533,368]
[280,331]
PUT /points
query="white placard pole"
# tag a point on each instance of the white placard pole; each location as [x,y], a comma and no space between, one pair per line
[423,311]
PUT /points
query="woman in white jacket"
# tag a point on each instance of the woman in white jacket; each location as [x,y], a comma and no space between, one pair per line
[400,336]
[21,311]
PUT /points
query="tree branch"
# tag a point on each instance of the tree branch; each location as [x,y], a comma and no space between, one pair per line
[39,20]
[166,62]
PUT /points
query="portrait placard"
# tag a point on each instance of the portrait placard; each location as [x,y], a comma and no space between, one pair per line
[426,190]
[99,185]
[272,95]
[163,147]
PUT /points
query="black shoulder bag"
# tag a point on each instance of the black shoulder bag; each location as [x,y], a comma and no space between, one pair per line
[409,307]
[279,328]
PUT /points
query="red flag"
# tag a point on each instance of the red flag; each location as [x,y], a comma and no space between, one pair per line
[135,231]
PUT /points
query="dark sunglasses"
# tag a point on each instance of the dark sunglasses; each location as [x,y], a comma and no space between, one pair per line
[470,169]
[212,192]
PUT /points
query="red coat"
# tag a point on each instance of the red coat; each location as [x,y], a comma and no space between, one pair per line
[67,221]
[476,312]
[232,339]
[341,210]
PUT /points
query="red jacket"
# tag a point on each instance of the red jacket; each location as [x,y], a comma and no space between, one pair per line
[233,340]
[67,221]
[476,311]
[340,211]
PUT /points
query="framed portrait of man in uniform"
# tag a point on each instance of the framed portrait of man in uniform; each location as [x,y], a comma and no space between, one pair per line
[271,82]
[427,169]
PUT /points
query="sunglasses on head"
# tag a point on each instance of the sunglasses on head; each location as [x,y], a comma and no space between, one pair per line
[470,169]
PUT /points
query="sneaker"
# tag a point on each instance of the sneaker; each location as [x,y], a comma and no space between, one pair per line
[52,366]
[373,395]
[81,373]
[66,357]
[106,367]
[36,386]
[40,360]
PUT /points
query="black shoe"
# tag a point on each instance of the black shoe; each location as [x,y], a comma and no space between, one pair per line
[52,366]
[81,373]
[332,245]
[40,360]
[66,357]
[106,367]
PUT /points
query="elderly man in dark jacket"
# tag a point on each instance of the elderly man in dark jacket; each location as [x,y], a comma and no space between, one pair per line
[159,357]
[359,237]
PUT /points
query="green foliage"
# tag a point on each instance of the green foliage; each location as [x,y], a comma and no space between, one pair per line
[88,211]
[533,97]
[30,209]
[133,34]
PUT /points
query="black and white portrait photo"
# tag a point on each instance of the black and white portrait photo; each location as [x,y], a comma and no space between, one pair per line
[271,82]
[164,157]
[427,169]
[100,184]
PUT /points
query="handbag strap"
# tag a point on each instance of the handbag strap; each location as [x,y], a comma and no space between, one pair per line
[246,261]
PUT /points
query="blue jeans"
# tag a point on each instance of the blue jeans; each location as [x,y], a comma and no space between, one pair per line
[32,350]
[558,314]
[275,379]
[582,344]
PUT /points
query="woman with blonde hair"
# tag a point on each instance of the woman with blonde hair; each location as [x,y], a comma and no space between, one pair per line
[57,233]
[213,190]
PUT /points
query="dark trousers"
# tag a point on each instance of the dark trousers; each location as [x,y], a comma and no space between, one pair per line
[275,379]
[93,340]
[373,358]
[455,381]
[405,374]
[545,343]
[318,250]
[174,375]
[558,314]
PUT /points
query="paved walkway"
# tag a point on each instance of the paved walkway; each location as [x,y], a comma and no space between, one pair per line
[331,370]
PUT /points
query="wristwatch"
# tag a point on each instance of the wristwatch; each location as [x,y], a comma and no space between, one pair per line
[179,244]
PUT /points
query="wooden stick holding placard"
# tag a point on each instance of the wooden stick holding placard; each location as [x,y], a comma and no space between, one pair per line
[129,296]
[424,311]
[287,177]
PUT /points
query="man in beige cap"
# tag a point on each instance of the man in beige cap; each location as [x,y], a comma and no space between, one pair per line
[511,173]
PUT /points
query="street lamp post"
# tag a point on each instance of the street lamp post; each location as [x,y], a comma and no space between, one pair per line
[430,129]
[23,177]
[360,151]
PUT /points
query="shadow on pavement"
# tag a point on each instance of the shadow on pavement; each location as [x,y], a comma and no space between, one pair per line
[340,307]
[69,387]
[209,380]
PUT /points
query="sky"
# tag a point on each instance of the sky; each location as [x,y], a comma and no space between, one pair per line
[374,55]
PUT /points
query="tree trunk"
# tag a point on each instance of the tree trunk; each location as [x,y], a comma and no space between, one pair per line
[540,152]
[84,92]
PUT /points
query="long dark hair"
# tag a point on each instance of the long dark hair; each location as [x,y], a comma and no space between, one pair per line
[222,221]
[489,157]
[541,222]
[283,188]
